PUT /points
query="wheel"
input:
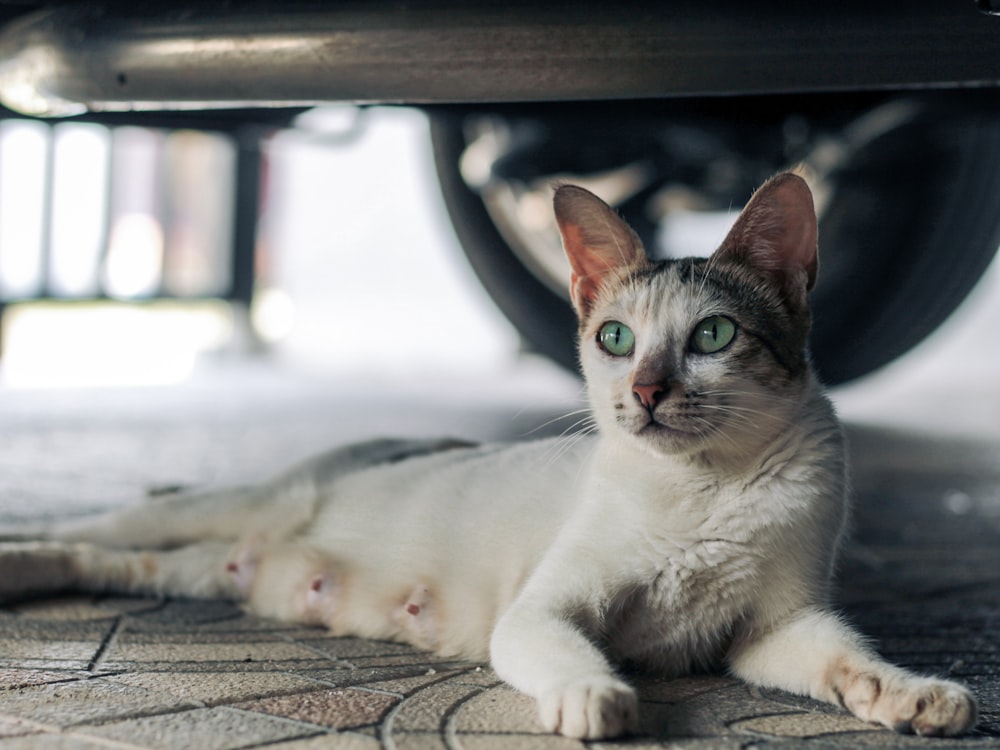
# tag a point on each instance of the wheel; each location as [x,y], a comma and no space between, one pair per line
[907,192]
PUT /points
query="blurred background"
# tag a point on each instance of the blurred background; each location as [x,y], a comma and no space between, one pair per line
[357,270]
[125,234]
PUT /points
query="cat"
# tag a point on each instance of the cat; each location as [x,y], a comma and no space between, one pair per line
[695,527]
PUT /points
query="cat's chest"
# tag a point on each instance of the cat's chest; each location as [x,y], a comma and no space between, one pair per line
[681,613]
[698,562]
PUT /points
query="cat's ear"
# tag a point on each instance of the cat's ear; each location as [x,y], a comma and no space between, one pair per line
[776,235]
[597,242]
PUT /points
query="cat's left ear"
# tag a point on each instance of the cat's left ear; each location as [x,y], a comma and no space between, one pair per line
[776,235]
[597,241]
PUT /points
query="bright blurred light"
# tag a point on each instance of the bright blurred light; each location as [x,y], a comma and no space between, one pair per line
[361,242]
[273,315]
[23,166]
[684,234]
[108,344]
[353,231]
[79,207]
[135,256]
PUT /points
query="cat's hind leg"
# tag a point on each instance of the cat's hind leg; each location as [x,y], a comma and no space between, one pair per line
[272,510]
[276,508]
[816,654]
[32,569]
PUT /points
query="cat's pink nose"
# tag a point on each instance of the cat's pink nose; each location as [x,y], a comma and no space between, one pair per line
[648,395]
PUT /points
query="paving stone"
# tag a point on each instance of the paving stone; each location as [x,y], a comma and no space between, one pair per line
[425,710]
[681,743]
[346,708]
[482,676]
[291,666]
[354,648]
[274,651]
[858,741]
[12,728]
[129,605]
[377,677]
[802,725]
[420,741]
[196,635]
[187,613]
[27,653]
[18,678]
[659,690]
[522,742]
[792,703]
[59,664]
[55,628]
[83,701]
[53,742]
[215,688]
[704,714]
[419,658]
[219,728]
[404,686]
[339,741]
[498,710]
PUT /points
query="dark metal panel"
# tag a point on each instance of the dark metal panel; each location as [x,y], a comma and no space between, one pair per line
[69,59]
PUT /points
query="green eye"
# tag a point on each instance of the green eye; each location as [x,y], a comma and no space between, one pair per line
[616,339]
[712,334]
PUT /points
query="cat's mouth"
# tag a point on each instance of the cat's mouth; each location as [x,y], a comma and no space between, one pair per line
[655,426]
[667,432]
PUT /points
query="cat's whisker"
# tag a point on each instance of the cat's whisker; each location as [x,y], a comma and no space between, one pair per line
[557,420]
[577,430]
[588,422]
[563,445]
[744,412]
[731,420]
[712,430]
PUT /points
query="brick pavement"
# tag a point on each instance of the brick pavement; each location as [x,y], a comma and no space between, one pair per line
[142,673]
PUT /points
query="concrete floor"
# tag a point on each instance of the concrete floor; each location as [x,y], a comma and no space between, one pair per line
[920,577]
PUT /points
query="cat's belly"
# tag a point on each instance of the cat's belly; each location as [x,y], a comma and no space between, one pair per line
[468,526]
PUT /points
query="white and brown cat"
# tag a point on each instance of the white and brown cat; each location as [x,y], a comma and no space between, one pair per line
[696,527]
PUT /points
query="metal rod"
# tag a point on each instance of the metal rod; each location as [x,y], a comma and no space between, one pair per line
[176,56]
[246,214]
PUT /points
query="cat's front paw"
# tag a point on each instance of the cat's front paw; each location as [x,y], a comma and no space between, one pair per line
[933,708]
[590,708]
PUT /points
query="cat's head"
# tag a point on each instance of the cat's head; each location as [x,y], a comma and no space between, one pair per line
[697,356]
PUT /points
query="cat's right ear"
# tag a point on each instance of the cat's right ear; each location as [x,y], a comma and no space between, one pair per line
[597,242]
[775,235]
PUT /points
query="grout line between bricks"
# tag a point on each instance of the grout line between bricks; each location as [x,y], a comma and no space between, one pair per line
[109,639]
[449,733]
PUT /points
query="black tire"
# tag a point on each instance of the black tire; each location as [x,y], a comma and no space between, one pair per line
[912,223]
[545,320]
